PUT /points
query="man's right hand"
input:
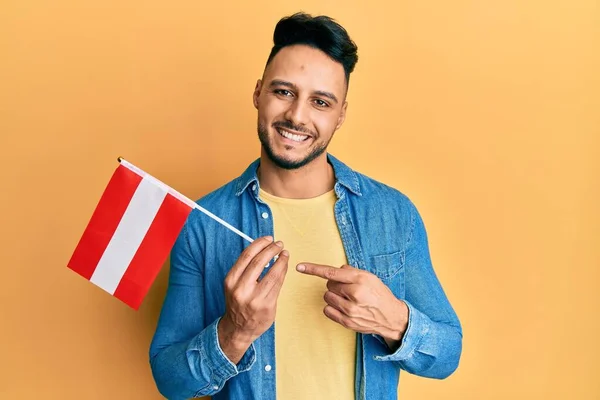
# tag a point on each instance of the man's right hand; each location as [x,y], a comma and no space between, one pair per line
[250,304]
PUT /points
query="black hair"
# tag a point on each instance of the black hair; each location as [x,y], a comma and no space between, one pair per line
[322,33]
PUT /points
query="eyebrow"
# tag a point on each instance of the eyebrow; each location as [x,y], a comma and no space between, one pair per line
[279,82]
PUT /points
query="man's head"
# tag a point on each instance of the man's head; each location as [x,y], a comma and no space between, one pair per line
[301,99]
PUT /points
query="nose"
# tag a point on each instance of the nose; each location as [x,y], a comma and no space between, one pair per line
[297,113]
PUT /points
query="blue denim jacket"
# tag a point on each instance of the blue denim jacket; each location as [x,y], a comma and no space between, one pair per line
[382,233]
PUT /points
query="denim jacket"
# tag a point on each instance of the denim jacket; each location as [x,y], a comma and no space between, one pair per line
[382,232]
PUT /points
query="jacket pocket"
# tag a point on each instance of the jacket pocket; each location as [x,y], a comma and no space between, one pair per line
[385,266]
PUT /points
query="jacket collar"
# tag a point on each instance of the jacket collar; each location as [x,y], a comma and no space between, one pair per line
[344,176]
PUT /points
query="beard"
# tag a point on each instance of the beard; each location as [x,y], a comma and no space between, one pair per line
[281,161]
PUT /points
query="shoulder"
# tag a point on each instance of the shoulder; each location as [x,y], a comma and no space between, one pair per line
[222,202]
[367,190]
[372,187]
[379,194]
[223,194]
[230,192]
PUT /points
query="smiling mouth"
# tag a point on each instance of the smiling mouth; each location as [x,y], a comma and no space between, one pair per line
[292,136]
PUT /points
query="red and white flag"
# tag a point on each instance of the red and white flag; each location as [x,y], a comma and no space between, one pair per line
[131,233]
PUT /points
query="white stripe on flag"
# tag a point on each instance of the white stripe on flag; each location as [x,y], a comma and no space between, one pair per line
[128,236]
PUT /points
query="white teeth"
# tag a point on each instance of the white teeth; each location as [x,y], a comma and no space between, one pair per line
[295,138]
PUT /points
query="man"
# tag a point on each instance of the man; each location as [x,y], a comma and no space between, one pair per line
[361,301]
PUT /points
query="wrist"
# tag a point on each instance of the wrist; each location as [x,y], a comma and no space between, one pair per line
[402,322]
[232,345]
[232,337]
[393,336]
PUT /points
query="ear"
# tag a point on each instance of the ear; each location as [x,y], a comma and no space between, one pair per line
[256,93]
[342,116]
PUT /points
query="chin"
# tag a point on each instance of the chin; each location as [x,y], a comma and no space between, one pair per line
[285,162]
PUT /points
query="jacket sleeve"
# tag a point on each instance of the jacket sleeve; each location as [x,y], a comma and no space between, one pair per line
[185,357]
[432,344]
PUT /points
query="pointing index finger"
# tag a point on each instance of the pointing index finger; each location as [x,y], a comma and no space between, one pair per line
[328,272]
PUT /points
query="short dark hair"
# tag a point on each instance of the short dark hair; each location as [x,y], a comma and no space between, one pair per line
[322,33]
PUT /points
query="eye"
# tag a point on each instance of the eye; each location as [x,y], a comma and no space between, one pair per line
[321,103]
[283,92]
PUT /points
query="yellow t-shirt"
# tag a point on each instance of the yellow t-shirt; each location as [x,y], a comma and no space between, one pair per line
[315,357]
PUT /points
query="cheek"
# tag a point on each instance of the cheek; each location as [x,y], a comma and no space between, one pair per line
[325,124]
[271,109]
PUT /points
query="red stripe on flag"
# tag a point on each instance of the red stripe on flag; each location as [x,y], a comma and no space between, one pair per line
[104,221]
[153,251]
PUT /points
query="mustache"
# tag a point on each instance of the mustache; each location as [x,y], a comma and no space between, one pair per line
[292,127]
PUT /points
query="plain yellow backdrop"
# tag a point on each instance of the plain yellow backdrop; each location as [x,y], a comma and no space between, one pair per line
[485,113]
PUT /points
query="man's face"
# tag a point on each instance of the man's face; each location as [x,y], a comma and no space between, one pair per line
[300,103]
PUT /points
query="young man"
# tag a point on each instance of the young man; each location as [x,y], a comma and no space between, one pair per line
[361,300]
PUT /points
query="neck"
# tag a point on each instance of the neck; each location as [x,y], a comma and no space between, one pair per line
[310,181]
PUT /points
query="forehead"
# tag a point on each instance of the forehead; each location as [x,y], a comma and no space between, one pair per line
[308,69]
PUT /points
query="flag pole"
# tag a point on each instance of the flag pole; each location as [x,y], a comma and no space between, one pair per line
[183,198]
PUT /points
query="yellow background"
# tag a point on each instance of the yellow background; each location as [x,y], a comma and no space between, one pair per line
[485,113]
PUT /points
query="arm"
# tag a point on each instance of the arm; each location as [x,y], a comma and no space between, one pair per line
[432,343]
[185,355]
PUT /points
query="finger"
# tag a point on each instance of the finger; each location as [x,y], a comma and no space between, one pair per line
[257,264]
[247,255]
[342,304]
[355,292]
[270,285]
[330,273]
[337,316]
[338,288]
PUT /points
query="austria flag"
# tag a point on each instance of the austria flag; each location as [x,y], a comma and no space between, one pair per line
[130,234]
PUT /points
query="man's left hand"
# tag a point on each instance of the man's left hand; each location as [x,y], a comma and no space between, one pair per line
[359,300]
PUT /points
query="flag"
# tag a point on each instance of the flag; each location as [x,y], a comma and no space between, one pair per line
[130,234]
